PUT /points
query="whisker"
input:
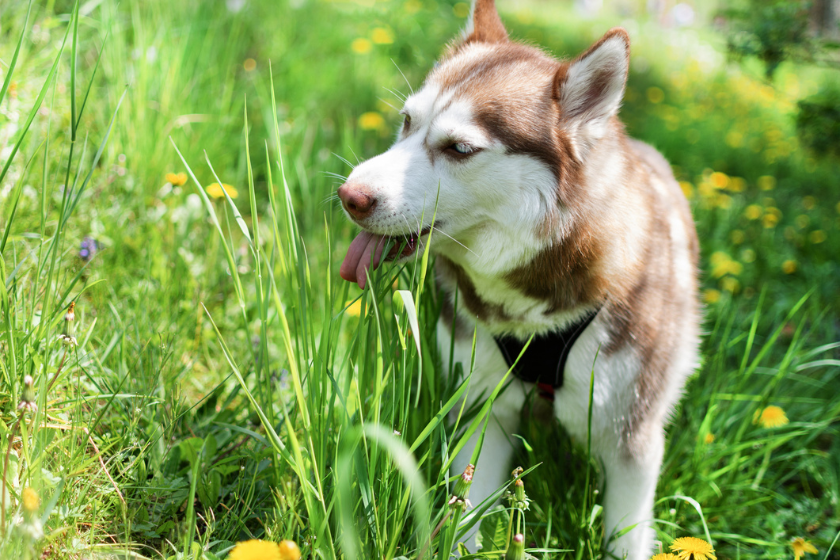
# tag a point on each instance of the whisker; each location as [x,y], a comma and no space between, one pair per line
[344,160]
[453,239]
[404,78]
[331,202]
[396,94]
[335,175]
[406,221]
[388,104]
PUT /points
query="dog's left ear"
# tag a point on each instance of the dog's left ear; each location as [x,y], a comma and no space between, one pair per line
[484,24]
[590,89]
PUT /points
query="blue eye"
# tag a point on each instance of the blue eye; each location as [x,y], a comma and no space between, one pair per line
[460,149]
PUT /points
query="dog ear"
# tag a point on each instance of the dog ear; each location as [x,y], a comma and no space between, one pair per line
[484,24]
[591,87]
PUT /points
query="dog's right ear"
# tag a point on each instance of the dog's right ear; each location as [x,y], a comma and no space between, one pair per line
[484,24]
[590,89]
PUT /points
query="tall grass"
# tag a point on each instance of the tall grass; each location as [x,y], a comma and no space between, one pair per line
[226,385]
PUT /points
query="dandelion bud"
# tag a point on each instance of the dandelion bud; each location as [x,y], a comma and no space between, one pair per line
[516,550]
[68,336]
[27,398]
[462,487]
[71,312]
[30,500]
[69,328]
[519,490]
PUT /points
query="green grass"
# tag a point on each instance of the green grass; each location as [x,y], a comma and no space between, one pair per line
[227,385]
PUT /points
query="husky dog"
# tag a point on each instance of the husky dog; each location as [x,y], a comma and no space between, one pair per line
[549,218]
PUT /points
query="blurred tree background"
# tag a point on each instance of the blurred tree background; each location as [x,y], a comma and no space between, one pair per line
[802,32]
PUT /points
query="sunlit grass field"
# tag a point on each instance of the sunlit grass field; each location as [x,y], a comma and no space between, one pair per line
[217,382]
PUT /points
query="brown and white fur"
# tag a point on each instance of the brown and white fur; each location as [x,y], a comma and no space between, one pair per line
[546,211]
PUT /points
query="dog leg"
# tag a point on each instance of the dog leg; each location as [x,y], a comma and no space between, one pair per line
[494,463]
[628,500]
[493,467]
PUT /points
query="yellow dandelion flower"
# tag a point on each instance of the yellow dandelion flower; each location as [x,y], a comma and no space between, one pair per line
[770,220]
[382,36]
[249,65]
[748,255]
[655,95]
[687,189]
[722,264]
[177,179]
[817,236]
[711,296]
[734,139]
[710,438]
[730,284]
[766,182]
[371,121]
[770,417]
[361,46]
[355,309]
[289,550]
[255,550]
[30,500]
[664,556]
[692,547]
[719,180]
[753,212]
[737,184]
[789,267]
[718,257]
[215,190]
[801,546]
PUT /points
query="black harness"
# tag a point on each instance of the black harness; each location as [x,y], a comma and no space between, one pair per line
[545,360]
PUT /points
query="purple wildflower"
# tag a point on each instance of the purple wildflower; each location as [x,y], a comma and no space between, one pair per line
[88,248]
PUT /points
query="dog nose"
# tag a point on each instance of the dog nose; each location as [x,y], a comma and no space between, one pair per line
[356,201]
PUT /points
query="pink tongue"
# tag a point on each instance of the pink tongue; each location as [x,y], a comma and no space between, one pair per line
[358,258]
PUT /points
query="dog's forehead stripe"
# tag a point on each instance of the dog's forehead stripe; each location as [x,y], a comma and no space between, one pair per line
[456,121]
[508,66]
[443,116]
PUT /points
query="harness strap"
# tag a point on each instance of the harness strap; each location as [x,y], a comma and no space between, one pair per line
[545,360]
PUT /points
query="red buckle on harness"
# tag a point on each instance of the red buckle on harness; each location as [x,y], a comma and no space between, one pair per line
[546,391]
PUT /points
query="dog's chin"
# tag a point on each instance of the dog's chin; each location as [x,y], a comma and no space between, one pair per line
[368,250]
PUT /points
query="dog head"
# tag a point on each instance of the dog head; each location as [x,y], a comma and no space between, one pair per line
[493,146]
